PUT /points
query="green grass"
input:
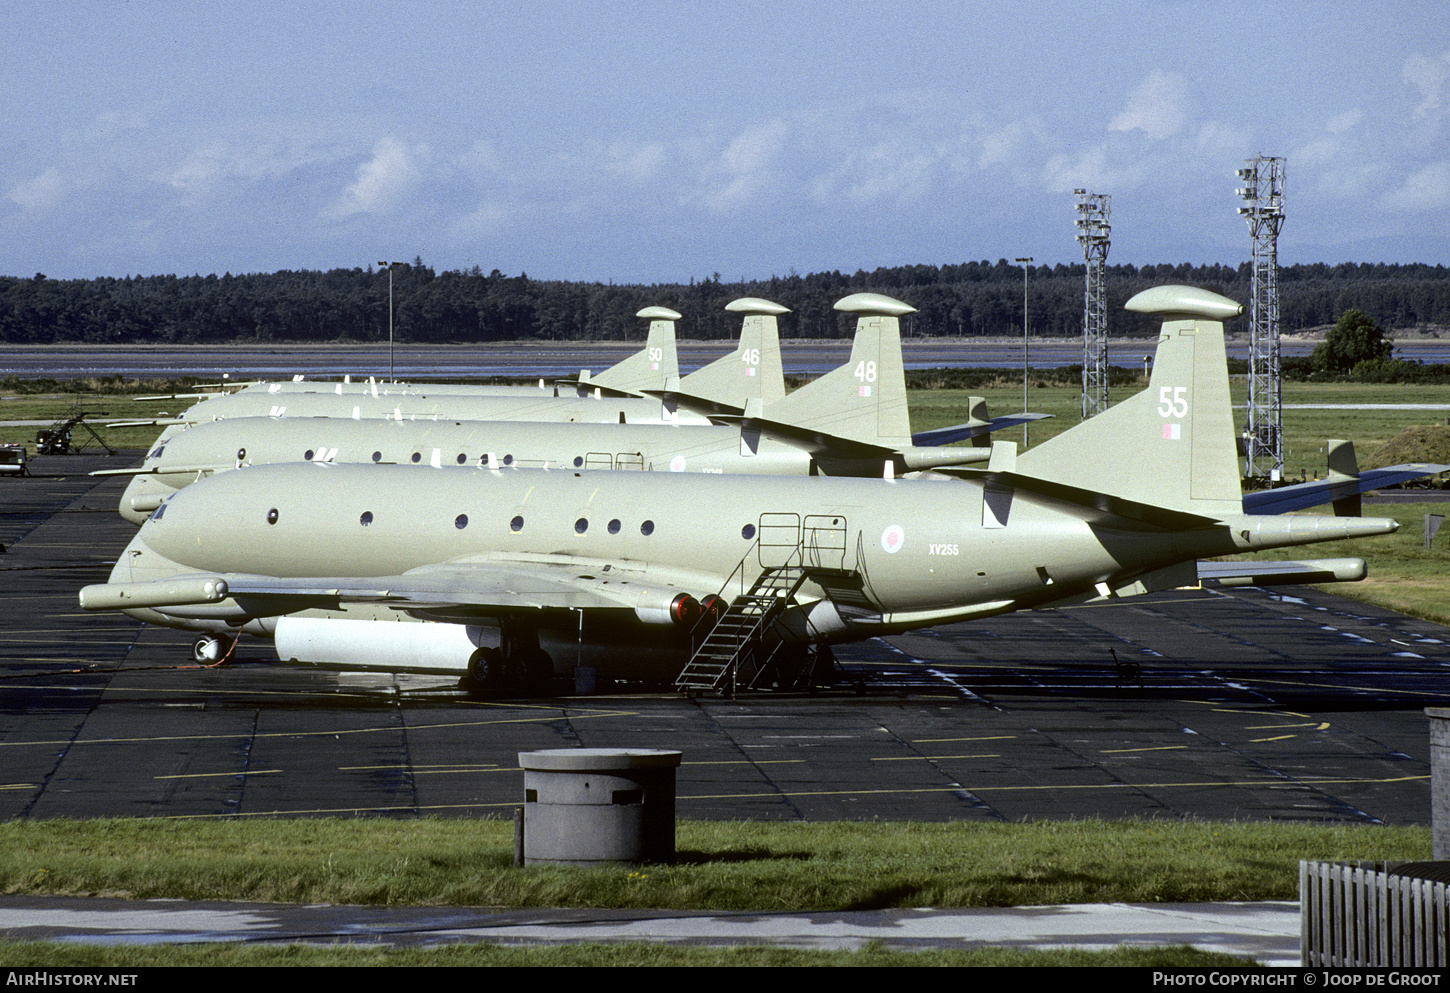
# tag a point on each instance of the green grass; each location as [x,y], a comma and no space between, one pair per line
[57,955]
[721,865]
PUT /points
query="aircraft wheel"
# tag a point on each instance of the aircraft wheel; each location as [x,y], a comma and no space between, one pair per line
[485,669]
[209,649]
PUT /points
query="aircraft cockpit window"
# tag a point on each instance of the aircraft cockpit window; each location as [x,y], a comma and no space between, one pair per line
[581,525]
[748,532]
[417,456]
[614,527]
[159,449]
[272,516]
[156,514]
[307,455]
[647,528]
[377,456]
[366,518]
[461,521]
[517,524]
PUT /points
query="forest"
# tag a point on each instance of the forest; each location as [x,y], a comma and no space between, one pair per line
[961,300]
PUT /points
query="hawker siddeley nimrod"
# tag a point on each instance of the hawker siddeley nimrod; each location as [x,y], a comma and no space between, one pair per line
[851,422]
[513,575]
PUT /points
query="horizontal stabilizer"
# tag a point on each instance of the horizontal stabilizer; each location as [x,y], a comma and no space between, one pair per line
[1321,491]
[974,429]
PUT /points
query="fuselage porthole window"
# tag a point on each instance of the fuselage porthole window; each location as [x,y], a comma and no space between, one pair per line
[517,524]
[377,456]
[578,461]
[614,526]
[647,528]
[307,455]
[581,525]
[748,532]
[462,458]
[461,521]
[366,519]
[272,516]
[417,457]
[508,460]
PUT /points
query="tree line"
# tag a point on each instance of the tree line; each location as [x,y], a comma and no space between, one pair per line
[961,300]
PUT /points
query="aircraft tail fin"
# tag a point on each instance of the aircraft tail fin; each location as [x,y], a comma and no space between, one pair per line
[865,399]
[754,370]
[1172,445]
[649,368]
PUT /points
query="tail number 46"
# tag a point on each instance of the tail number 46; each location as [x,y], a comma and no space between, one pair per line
[1172,401]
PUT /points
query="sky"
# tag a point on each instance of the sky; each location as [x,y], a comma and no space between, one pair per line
[633,142]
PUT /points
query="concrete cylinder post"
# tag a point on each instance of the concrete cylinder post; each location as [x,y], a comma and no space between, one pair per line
[599,806]
[1439,782]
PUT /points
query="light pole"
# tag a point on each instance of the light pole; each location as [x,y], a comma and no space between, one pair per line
[390,266]
[1026,262]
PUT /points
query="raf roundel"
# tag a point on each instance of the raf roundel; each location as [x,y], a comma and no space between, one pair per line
[677,464]
[892,539]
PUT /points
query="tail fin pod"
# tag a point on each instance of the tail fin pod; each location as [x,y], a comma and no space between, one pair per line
[865,399]
[1173,444]
[754,370]
[649,368]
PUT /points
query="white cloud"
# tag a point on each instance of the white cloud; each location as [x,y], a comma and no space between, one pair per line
[747,169]
[40,193]
[1431,76]
[1156,107]
[1425,190]
[382,181]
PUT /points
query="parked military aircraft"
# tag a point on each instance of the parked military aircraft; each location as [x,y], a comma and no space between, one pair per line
[752,371]
[511,575]
[851,422]
[650,367]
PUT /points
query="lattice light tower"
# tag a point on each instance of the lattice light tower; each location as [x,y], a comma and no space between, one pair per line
[1263,196]
[1093,235]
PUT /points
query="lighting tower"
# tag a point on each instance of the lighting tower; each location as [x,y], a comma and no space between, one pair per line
[1263,196]
[1093,235]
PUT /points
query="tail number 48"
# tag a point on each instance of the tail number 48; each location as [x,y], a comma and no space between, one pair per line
[1172,401]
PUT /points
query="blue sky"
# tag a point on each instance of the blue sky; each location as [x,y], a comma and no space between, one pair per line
[656,142]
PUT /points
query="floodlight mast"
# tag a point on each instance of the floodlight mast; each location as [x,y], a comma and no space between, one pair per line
[1094,235]
[1263,197]
[1026,263]
[390,266]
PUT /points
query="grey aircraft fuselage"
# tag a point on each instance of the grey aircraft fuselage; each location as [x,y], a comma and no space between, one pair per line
[463,545]
[218,446]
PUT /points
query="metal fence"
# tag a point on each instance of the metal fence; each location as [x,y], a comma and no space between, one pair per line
[1355,914]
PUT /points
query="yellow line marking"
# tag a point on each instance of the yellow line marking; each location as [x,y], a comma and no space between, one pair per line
[986,737]
[1156,748]
[214,775]
[930,758]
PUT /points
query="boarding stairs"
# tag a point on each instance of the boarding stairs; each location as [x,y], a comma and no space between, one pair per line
[734,645]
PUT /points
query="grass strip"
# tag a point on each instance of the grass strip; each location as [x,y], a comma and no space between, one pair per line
[71,956]
[721,865]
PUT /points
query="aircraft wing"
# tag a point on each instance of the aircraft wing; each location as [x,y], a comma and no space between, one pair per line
[458,589]
[698,405]
[1321,491]
[973,429]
